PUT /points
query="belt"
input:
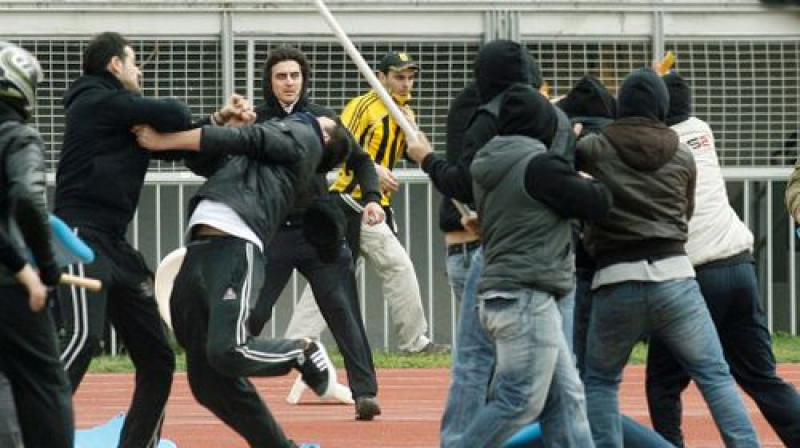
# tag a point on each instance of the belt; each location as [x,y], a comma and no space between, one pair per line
[460,248]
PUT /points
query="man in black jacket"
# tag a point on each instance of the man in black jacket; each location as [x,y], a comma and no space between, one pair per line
[100,175]
[29,351]
[498,65]
[233,216]
[331,272]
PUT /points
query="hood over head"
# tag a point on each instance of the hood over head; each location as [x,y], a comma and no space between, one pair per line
[501,63]
[680,98]
[588,98]
[643,144]
[643,94]
[524,111]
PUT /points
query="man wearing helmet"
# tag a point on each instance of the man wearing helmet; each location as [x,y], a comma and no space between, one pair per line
[29,355]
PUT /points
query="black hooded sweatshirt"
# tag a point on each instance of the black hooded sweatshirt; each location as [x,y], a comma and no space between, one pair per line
[102,167]
[651,176]
[499,64]
[591,105]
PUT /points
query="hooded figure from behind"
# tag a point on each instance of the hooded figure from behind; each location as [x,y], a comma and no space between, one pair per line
[651,176]
[590,104]
[525,196]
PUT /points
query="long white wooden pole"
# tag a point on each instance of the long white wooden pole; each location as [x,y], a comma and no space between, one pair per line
[408,128]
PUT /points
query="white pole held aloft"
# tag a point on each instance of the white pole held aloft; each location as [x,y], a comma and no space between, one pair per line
[409,129]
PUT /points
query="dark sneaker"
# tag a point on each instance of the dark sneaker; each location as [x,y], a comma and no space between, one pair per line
[317,370]
[367,408]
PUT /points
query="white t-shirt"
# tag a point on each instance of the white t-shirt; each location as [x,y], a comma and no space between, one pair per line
[220,216]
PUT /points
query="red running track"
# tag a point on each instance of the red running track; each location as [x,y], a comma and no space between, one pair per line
[412,402]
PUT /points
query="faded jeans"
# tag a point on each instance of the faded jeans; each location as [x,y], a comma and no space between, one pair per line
[535,375]
[675,312]
[473,363]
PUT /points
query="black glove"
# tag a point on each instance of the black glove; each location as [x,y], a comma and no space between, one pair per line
[50,274]
[323,228]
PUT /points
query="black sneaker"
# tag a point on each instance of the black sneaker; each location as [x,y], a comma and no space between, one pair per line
[367,408]
[317,370]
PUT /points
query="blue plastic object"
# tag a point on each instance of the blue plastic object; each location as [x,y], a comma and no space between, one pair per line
[524,437]
[69,248]
[107,434]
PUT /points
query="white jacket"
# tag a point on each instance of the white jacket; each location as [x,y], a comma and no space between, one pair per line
[715,231]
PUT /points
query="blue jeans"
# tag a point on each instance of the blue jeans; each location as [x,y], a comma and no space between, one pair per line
[535,375]
[675,312]
[458,266]
[731,293]
[634,434]
[473,362]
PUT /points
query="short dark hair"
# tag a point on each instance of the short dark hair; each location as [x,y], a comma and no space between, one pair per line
[337,149]
[101,50]
[280,54]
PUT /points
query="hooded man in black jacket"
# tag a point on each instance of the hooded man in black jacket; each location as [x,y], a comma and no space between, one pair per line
[498,65]
[28,347]
[330,272]
[644,282]
[100,174]
[255,174]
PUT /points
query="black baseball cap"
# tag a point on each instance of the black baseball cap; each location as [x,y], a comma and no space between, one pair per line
[397,60]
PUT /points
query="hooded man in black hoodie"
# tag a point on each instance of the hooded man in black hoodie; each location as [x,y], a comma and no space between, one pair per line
[644,281]
[498,65]
[100,175]
[297,243]
[525,196]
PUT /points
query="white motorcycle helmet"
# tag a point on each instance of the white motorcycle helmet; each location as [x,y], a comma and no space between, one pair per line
[20,73]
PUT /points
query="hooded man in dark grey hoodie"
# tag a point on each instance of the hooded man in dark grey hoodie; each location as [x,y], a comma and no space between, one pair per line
[498,65]
[644,281]
[525,197]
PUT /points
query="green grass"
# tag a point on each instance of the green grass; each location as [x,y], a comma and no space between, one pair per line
[787,350]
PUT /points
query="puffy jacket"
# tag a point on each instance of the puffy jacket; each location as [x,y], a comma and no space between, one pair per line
[23,215]
[257,170]
[102,168]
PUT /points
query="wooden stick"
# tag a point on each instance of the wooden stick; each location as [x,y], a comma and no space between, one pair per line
[402,121]
[92,284]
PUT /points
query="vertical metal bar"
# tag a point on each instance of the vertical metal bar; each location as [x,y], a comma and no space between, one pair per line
[431,308]
[658,34]
[158,222]
[226,53]
[251,63]
[770,263]
[792,279]
[180,219]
